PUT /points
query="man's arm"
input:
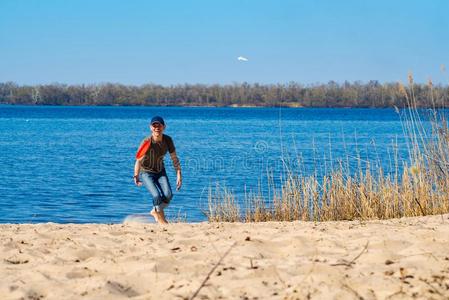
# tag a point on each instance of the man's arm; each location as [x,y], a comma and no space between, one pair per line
[137,171]
[177,166]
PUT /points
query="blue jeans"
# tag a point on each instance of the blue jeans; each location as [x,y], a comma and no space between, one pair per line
[159,187]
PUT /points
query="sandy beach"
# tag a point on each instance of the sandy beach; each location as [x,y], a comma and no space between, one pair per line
[394,259]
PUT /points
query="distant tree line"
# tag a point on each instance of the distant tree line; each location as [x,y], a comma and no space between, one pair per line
[332,94]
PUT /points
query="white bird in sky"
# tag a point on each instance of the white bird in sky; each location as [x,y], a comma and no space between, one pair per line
[241,58]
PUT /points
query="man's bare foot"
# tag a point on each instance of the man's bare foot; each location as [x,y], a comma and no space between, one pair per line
[155,215]
[161,216]
[158,216]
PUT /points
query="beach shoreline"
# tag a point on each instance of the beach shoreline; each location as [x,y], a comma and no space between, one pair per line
[398,258]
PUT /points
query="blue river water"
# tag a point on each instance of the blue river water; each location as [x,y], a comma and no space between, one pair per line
[75,164]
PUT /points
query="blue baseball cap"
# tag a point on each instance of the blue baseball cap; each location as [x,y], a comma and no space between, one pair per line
[157,119]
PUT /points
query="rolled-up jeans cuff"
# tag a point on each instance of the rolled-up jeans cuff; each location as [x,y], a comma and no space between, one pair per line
[161,206]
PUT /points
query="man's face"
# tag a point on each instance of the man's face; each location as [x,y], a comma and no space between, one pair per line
[157,128]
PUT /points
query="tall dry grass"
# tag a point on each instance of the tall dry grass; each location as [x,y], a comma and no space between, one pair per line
[421,188]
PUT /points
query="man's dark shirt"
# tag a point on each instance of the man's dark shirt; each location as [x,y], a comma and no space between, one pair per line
[153,160]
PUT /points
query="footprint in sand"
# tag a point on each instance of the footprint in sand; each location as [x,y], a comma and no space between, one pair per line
[80,273]
[121,289]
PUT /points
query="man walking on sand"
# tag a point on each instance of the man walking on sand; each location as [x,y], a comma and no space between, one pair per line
[150,168]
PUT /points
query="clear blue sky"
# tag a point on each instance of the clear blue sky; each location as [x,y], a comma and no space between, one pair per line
[170,42]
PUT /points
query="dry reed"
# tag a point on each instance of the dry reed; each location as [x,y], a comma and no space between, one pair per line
[421,188]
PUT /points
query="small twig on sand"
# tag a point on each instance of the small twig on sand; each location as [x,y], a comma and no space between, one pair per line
[360,254]
[434,289]
[429,254]
[212,270]
[279,276]
[400,292]
[353,291]
[349,264]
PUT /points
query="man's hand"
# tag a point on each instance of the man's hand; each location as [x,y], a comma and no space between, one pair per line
[137,180]
[178,181]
